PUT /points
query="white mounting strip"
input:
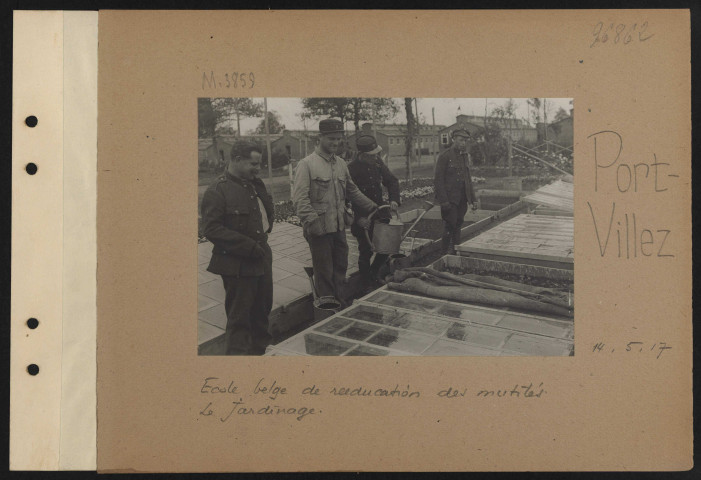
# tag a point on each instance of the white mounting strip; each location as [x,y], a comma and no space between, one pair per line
[52,414]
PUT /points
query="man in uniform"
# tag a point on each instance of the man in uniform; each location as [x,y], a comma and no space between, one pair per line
[237,215]
[322,186]
[453,188]
[370,173]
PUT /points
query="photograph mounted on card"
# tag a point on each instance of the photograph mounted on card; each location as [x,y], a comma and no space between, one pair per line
[375,231]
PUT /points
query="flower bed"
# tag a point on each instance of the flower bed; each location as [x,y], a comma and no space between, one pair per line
[285,212]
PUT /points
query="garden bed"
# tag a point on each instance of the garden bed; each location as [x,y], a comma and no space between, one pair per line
[544,282]
[426,228]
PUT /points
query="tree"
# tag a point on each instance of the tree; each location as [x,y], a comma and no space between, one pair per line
[206,118]
[224,130]
[535,104]
[230,109]
[323,107]
[409,140]
[353,109]
[492,145]
[506,114]
[274,125]
[561,114]
[376,110]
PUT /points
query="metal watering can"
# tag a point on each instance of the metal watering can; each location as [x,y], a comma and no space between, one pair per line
[386,237]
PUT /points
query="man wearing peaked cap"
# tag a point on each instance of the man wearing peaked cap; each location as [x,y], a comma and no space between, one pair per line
[330,125]
[237,216]
[322,186]
[453,188]
[370,174]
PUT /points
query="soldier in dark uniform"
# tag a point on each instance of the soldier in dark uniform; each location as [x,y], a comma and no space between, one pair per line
[453,187]
[237,215]
[370,173]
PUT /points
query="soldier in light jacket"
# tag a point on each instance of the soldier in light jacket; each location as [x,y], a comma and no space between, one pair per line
[322,186]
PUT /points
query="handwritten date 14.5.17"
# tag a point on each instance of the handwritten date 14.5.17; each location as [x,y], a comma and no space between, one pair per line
[639,347]
[620,33]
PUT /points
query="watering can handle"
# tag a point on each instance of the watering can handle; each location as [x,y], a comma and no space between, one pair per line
[367,232]
[375,211]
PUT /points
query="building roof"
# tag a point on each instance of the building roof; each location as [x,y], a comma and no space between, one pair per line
[390,129]
[561,120]
[477,122]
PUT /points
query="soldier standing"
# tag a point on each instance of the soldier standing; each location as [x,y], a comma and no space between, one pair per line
[453,188]
[370,173]
[237,215]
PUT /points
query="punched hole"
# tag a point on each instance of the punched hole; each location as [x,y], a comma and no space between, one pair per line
[32,323]
[31,168]
[33,369]
[31,121]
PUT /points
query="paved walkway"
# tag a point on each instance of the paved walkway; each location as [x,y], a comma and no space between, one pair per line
[290,255]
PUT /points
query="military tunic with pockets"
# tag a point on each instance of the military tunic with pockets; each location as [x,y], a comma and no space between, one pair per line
[453,185]
[232,221]
[370,177]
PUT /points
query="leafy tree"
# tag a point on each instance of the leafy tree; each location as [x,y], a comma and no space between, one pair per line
[322,107]
[490,147]
[534,104]
[206,118]
[274,124]
[353,109]
[561,114]
[224,130]
[409,140]
[506,114]
[229,109]
[375,109]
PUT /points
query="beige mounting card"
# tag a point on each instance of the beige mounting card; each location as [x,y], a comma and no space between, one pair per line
[622,402]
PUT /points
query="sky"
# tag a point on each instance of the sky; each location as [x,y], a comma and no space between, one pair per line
[446,110]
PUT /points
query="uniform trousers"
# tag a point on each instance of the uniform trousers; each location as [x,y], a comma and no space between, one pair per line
[248,303]
[452,221]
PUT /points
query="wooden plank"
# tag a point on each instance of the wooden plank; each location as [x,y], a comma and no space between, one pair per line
[522,260]
[519,254]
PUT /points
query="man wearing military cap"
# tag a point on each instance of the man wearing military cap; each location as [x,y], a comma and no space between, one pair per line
[322,186]
[237,215]
[370,174]
[453,188]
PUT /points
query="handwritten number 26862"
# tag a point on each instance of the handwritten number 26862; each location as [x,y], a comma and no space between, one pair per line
[620,33]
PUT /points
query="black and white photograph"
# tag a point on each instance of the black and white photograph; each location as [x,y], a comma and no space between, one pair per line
[385,226]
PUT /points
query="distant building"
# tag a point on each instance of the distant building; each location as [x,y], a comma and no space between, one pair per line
[560,131]
[296,144]
[392,138]
[214,152]
[517,129]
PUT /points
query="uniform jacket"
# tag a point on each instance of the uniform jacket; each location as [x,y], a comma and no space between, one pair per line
[321,188]
[369,177]
[232,221]
[453,177]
